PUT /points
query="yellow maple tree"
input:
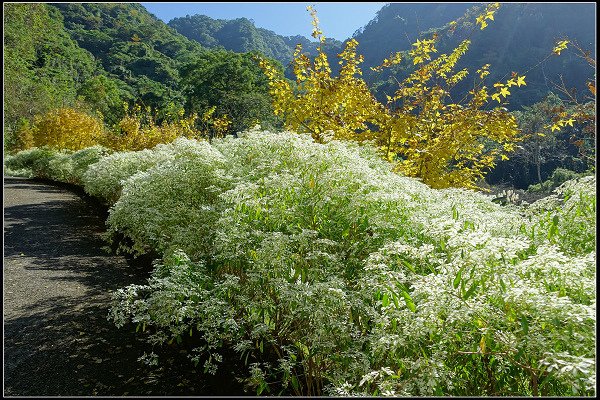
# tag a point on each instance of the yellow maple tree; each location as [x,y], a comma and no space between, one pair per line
[420,129]
[66,128]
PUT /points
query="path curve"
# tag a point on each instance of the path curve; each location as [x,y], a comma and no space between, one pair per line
[57,283]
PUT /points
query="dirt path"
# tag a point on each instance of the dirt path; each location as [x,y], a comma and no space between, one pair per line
[57,284]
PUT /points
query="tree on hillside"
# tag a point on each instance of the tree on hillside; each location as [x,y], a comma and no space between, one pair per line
[233,83]
[542,149]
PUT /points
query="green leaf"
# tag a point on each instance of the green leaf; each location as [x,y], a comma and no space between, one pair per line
[409,266]
[386,300]
[457,279]
[409,302]
[471,290]
[295,384]
[395,300]
[261,387]
[524,324]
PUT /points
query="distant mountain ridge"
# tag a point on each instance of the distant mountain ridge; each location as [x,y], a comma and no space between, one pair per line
[521,35]
[518,39]
[241,35]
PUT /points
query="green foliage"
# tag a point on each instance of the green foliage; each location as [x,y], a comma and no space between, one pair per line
[148,62]
[43,67]
[140,54]
[558,177]
[104,95]
[232,83]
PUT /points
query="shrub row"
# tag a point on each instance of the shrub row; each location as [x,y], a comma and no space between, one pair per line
[329,274]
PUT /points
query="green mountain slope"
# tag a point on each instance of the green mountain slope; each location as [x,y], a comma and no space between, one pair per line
[240,35]
[133,46]
[98,56]
[43,67]
[519,38]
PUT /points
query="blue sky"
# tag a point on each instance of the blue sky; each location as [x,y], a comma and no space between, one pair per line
[337,20]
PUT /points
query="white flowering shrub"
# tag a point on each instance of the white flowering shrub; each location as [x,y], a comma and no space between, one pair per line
[568,216]
[66,166]
[329,274]
[71,167]
[36,160]
[103,179]
[14,167]
[175,204]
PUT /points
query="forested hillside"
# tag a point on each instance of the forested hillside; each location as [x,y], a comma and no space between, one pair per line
[133,46]
[98,57]
[43,67]
[240,35]
[519,39]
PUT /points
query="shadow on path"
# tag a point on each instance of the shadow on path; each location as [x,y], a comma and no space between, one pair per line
[57,284]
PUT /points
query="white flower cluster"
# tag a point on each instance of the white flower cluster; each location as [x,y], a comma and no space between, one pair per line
[362,279]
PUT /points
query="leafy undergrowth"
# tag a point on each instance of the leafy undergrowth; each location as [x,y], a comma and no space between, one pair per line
[330,275]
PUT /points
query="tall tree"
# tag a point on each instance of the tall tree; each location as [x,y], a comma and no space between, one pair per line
[234,84]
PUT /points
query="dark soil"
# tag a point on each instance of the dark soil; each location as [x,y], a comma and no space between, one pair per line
[58,279]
